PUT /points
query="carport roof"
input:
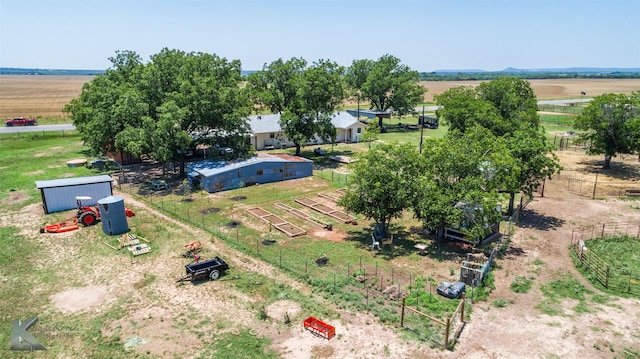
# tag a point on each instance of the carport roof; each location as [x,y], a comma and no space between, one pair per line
[74,181]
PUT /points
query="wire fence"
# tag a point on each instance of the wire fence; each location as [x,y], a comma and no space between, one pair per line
[367,284]
[595,188]
[625,278]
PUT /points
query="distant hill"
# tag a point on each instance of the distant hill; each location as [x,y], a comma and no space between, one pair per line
[570,70]
[530,74]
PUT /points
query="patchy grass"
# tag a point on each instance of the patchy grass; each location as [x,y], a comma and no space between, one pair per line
[564,287]
[521,284]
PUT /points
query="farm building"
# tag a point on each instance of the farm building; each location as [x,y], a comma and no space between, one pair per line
[266,132]
[216,176]
[60,194]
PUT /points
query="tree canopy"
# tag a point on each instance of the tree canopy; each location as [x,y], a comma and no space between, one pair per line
[381,186]
[612,125]
[386,84]
[163,107]
[507,107]
[461,174]
[305,97]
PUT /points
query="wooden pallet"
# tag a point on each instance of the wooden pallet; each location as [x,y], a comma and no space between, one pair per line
[280,224]
[138,250]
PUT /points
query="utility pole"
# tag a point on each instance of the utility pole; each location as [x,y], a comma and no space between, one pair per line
[421,128]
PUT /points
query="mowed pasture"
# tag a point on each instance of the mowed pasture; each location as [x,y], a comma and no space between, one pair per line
[44,97]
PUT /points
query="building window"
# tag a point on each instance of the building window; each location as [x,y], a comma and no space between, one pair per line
[272,135]
[359,130]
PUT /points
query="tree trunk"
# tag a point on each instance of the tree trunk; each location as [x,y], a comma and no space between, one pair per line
[440,235]
[512,198]
[607,162]
[298,149]
[182,167]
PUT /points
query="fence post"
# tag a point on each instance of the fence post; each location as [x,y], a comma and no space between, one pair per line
[446,335]
[606,285]
[402,314]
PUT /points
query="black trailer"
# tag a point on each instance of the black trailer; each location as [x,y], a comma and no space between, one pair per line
[211,269]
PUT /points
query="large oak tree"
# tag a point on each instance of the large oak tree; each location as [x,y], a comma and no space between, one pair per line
[305,97]
[387,84]
[507,107]
[612,125]
[163,107]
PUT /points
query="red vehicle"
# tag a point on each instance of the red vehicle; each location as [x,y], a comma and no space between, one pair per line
[21,121]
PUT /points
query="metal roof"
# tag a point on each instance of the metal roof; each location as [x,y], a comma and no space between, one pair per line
[73,181]
[265,123]
[211,168]
[271,123]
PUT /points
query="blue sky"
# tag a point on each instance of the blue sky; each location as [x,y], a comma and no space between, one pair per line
[426,35]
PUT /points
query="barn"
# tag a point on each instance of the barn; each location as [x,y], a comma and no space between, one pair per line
[216,176]
[60,194]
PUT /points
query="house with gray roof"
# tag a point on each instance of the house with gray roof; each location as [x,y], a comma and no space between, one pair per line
[266,132]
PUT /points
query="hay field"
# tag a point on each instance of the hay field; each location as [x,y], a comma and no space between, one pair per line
[38,97]
[551,89]
[43,97]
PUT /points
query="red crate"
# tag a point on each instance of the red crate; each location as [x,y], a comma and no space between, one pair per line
[319,328]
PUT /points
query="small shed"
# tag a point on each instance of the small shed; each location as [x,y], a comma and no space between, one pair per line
[60,194]
[216,176]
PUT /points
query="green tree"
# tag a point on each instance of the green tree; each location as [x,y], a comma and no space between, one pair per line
[612,125]
[382,185]
[459,181]
[507,107]
[164,107]
[305,97]
[389,85]
[370,134]
[109,103]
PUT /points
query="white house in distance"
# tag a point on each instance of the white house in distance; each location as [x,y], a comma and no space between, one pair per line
[267,134]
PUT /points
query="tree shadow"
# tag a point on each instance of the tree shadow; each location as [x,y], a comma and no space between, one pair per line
[619,170]
[404,241]
[533,219]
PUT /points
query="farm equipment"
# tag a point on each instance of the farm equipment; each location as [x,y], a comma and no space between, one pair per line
[192,248]
[319,328]
[211,269]
[89,215]
[70,224]
[85,215]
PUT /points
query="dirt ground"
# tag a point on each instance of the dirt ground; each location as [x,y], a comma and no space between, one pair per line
[519,330]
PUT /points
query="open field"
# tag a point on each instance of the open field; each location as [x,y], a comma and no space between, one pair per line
[38,96]
[43,97]
[551,89]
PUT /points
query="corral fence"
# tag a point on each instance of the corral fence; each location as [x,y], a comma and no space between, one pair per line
[611,277]
[570,143]
[574,108]
[455,322]
[595,188]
